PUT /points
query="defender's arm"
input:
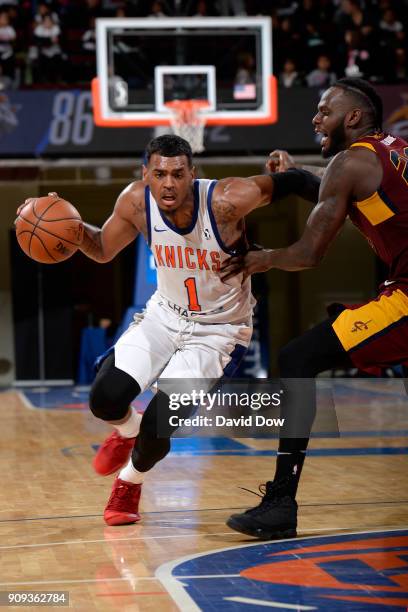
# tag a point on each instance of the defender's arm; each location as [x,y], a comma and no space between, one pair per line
[324,222]
[234,198]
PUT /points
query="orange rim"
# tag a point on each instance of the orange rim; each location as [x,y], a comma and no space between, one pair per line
[271,116]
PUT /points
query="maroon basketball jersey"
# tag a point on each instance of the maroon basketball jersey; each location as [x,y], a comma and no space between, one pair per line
[383,217]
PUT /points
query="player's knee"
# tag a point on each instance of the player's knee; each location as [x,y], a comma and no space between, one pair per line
[105,403]
[102,405]
[111,393]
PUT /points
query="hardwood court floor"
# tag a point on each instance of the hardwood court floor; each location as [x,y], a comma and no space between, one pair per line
[52,534]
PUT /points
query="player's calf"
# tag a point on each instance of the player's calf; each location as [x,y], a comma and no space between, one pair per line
[111,394]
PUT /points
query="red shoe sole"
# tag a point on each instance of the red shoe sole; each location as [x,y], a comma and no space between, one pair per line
[121,518]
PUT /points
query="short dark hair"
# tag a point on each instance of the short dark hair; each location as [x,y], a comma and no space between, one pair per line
[169,145]
[366,94]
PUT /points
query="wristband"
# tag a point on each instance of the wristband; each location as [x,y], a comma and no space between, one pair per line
[297,181]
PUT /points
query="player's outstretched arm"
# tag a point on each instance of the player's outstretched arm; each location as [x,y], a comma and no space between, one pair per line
[235,197]
[119,230]
[323,224]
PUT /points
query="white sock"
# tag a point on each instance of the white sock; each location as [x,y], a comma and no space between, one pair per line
[130,474]
[131,427]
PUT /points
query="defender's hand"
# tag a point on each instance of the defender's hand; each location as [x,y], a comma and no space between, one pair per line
[252,263]
[279,161]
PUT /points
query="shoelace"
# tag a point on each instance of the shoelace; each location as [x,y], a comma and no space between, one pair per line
[261,489]
[124,493]
[267,501]
[119,441]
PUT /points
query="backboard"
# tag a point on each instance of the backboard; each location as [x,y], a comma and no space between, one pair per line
[144,63]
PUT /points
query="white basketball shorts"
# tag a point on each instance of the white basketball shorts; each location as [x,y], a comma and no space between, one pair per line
[162,344]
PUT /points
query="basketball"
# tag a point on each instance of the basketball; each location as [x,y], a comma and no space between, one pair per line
[49,229]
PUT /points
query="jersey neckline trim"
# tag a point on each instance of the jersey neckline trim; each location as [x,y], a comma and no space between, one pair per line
[148,220]
[184,230]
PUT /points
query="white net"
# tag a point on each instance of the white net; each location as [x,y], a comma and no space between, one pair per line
[188,121]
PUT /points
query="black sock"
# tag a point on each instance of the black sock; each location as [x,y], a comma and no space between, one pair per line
[289,464]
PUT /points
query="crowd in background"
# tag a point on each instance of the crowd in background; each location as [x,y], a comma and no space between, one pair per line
[52,42]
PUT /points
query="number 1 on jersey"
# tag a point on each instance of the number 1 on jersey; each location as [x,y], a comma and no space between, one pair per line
[190,285]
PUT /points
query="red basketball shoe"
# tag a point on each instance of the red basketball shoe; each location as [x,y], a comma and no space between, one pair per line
[113,454]
[123,505]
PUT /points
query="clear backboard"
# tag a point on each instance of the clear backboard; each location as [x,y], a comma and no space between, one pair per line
[143,64]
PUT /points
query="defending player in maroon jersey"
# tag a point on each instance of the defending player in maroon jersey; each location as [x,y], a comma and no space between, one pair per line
[367,180]
[383,216]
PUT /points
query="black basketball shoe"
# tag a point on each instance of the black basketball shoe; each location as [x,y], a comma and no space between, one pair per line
[274,518]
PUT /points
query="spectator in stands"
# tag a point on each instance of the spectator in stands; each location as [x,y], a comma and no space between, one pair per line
[5,81]
[321,76]
[389,23]
[49,54]
[89,51]
[7,39]
[157,9]
[307,12]
[286,8]
[315,44]
[349,16]
[246,69]
[18,17]
[287,43]
[313,37]
[89,38]
[289,77]
[400,64]
[363,37]
[201,9]
[94,8]
[42,10]
[232,7]
[121,11]
[357,57]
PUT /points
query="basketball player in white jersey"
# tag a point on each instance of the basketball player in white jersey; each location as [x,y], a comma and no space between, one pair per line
[194,326]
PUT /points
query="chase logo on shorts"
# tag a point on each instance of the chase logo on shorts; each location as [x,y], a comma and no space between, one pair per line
[365,572]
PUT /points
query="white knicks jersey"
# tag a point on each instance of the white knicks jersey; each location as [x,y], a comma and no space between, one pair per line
[188,261]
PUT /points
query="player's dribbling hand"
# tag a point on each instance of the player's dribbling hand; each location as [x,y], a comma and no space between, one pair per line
[252,263]
[279,161]
[29,200]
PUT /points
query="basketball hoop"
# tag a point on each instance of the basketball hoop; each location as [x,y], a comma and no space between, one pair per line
[188,121]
